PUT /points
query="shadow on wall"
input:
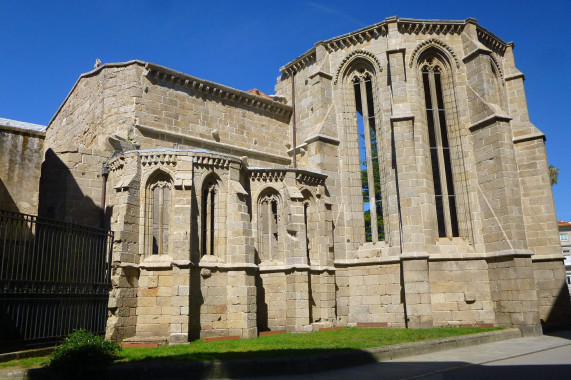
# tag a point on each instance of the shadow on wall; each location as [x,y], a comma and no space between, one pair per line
[560,314]
[262,306]
[60,195]
[6,201]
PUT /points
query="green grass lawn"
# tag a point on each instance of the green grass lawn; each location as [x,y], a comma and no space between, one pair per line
[293,344]
[278,345]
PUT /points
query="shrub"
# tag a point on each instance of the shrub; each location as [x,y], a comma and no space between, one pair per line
[83,350]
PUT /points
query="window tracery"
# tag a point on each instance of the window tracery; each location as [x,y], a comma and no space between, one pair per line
[269,222]
[157,220]
[362,81]
[444,193]
[210,195]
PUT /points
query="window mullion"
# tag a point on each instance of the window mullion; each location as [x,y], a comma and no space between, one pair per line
[270,229]
[440,154]
[370,174]
[207,221]
[161,219]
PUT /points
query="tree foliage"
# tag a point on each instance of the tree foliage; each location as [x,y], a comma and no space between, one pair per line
[377,187]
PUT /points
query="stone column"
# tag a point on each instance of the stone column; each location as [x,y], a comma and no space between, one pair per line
[241,288]
[297,286]
[413,195]
[417,291]
[123,196]
[181,236]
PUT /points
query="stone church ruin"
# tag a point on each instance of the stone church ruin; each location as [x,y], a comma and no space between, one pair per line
[394,179]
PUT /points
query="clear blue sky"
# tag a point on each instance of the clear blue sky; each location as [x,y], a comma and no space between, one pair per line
[46,45]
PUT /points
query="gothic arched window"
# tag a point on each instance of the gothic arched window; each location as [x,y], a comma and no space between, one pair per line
[444,194]
[157,217]
[269,222]
[210,195]
[368,154]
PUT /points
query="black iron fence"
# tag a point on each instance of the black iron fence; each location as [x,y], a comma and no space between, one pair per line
[54,278]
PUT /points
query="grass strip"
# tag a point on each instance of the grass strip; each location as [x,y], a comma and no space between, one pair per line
[293,344]
[276,345]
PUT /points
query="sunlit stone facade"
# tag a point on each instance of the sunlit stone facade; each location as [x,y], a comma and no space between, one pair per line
[414,193]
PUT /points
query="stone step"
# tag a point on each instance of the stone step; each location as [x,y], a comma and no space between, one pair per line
[144,342]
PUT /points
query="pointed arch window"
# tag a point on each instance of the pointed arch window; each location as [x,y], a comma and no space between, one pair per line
[210,195]
[444,194]
[368,155]
[269,226]
[157,220]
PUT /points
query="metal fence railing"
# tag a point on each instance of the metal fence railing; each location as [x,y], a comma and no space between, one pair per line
[54,278]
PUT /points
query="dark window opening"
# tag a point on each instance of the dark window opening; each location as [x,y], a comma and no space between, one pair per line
[445,198]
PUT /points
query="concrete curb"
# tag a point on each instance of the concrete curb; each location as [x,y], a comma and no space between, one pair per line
[270,366]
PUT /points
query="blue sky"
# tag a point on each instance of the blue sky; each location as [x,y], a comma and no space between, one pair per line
[46,45]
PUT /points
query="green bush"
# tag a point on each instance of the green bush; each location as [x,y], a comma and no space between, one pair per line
[83,350]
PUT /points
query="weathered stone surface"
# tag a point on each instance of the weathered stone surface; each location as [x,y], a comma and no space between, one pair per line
[218,234]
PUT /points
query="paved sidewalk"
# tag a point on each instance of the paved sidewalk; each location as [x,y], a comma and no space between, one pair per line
[544,357]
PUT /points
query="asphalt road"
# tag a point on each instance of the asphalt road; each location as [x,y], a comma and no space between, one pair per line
[545,357]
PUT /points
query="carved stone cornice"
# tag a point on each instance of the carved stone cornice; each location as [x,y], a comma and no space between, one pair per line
[404,26]
[158,158]
[278,175]
[218,90]
[336,43]
[219,162]
[441,27]
[491,41]
[310,178]
[358,37]
[300,62]
[267,175]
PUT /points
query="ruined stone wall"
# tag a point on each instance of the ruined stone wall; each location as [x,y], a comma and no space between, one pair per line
[172,114]
[77,142]
[21,154]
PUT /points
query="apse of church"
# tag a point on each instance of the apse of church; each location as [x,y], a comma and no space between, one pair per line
[386,183]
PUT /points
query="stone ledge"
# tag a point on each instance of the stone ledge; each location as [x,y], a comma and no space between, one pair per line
[369,325]
[227,266]
[487,121]
[556,257]
[218,338]
[367,261]
[535,136]
[274,332]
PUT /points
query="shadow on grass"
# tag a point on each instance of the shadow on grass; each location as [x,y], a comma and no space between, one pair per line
[449,370]
[222,365]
